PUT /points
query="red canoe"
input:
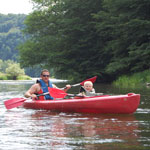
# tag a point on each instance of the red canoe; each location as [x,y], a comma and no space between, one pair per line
[120,104]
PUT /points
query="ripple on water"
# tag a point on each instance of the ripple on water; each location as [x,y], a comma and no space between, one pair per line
[143,110]
[37,129]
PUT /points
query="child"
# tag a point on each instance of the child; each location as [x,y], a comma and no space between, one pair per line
[88,90]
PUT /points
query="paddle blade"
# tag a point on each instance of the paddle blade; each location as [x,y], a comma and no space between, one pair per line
[57,93]
[93,79]
[14,102]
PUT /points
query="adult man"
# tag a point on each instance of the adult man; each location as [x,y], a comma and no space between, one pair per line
[42,87]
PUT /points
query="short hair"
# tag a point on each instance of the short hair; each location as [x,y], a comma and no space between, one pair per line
[44,70]
[88,82]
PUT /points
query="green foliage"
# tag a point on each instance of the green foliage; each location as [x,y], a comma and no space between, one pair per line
[11,35]
[11,70]
[23,77]
[14,70]
[63,37]
[128,24]
[5,64]
[79,39]
[3,76]
[133,80]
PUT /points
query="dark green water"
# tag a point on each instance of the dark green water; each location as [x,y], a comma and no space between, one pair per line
[44,130]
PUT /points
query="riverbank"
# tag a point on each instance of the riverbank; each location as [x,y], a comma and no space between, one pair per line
[4,76]
[32,81]
[135,80]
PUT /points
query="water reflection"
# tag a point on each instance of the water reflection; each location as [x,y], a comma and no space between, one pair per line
[87,130]
[43,129]
[39,129]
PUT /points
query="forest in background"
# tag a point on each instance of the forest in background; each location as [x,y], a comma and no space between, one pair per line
[83,38]
[80,39]
[11,36]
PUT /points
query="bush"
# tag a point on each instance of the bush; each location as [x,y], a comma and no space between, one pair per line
[23,77]
[14,70]
[3,76]
[133,80]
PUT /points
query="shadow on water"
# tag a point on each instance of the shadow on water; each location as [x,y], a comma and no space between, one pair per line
[39,129]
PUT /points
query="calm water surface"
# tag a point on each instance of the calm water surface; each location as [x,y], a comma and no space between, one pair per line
[44,130]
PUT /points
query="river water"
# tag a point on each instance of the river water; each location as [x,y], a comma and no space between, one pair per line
[25,129]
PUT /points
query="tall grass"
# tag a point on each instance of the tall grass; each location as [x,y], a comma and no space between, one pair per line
[133,80]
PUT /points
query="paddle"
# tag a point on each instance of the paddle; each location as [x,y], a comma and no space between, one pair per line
[58,93]
[15,102]
[93,79]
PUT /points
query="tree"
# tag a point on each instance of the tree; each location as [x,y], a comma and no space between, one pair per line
[128,24]
[14,70]
[11,35]
[5,64]
[63,37]
[79,39]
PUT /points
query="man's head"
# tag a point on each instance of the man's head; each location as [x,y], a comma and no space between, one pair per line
[45,75]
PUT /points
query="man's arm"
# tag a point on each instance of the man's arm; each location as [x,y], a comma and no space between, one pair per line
[31,92]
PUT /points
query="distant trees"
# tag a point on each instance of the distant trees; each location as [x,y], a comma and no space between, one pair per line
[14,70]
[10,69]
[79,39]
[11,35]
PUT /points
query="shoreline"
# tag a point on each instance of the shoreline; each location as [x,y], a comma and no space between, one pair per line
[30,81]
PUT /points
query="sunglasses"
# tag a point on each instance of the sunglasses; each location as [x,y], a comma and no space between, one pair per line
[45,75]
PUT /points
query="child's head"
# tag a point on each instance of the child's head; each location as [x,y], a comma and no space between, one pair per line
[88,85]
